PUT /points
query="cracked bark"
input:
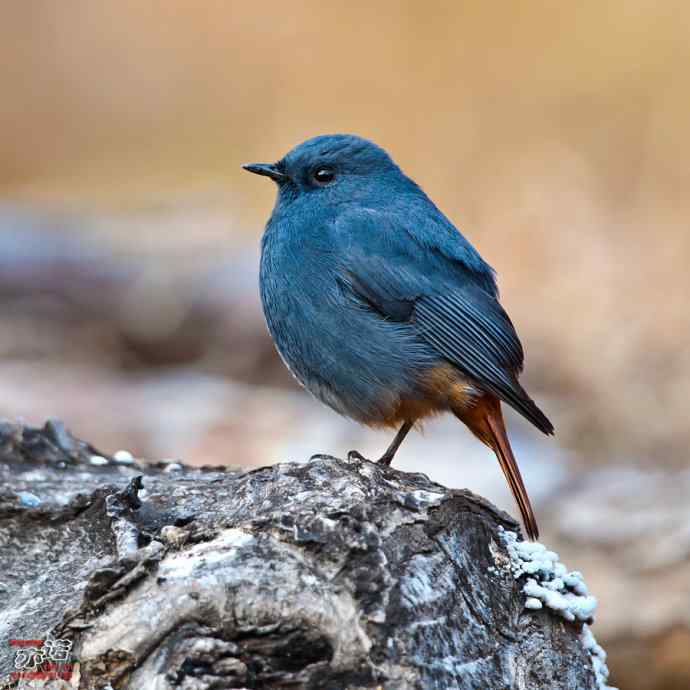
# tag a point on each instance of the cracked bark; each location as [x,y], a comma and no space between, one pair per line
[328,574]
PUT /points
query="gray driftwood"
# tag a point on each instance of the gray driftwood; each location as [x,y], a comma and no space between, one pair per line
[328,574]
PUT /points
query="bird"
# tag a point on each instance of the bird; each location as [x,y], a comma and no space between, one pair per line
[381,308]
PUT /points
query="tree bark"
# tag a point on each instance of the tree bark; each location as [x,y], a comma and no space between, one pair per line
[325,574]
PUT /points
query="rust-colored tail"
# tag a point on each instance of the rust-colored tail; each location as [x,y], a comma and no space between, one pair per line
[504,453]
[485,420]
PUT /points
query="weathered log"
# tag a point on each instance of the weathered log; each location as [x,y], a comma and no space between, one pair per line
[326,574]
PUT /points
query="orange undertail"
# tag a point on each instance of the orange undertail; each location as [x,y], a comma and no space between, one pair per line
[485,421]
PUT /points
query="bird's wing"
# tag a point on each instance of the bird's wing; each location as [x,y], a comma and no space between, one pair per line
[442,300]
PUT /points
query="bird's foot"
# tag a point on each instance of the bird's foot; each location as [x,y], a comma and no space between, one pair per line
[319,456]
[356,455]
[386,459]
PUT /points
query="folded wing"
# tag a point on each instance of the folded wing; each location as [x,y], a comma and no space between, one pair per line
[446,305]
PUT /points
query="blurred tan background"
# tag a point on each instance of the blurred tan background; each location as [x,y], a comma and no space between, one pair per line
[555,135]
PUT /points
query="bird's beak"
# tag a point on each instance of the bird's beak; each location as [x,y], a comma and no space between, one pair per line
[267,170]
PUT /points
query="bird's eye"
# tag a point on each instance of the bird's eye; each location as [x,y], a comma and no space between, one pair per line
[323,175]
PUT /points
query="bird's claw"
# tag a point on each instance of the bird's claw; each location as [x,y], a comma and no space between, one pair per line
[319,456]
[356,455]
[385,460]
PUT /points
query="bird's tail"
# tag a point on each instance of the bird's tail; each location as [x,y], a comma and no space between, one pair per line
[506,459]
[485,420]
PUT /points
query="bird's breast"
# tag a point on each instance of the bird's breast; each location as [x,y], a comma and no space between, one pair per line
[347,356]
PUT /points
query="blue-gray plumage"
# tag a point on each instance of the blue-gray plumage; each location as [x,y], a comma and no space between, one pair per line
[380,307]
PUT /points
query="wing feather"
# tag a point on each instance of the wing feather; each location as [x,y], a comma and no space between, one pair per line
[443,298]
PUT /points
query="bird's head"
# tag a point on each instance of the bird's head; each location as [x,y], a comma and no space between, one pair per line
[335,167]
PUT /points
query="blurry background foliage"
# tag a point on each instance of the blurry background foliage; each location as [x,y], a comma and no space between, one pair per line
[554,134]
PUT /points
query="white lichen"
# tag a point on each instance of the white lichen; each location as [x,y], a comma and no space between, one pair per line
[124,457]
[598,657]
[549,584]
[548,580]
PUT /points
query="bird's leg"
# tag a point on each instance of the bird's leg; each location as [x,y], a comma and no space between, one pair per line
[388,456]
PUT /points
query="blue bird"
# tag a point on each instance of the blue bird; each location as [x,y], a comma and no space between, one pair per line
[380,307]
